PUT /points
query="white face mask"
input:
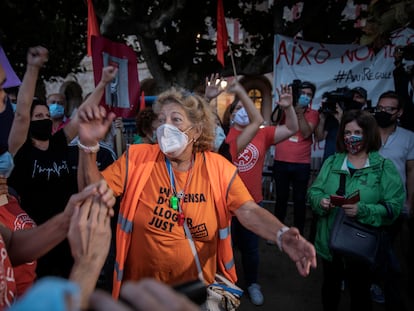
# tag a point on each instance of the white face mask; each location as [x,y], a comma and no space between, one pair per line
[171,139]
[220,137]
[241,118]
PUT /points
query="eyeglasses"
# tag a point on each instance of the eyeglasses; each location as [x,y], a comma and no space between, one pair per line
[385,109]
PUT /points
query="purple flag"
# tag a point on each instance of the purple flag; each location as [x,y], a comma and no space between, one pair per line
[12,79]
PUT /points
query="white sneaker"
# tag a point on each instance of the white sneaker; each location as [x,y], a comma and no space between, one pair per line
[256,296]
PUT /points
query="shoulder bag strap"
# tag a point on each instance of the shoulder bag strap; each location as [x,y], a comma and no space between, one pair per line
[341,188]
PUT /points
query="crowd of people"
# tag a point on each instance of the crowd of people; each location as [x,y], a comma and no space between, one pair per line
[109,230]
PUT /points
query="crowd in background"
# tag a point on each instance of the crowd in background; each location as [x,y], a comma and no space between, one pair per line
[70,181]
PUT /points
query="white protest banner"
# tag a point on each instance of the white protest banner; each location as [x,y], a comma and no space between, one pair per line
[332,66]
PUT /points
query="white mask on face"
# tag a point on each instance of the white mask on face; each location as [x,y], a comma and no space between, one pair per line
[241,118]
[171,139]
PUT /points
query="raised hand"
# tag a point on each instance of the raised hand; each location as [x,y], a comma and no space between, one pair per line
[285,96]
[37,56]
[214,86]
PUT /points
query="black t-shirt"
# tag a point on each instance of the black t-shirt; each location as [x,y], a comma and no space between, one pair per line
[43,179]
[6,121]
[45,183]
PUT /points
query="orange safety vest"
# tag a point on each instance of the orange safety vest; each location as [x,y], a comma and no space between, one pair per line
[139,167]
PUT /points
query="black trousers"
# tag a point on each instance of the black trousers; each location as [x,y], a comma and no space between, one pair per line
[357,276]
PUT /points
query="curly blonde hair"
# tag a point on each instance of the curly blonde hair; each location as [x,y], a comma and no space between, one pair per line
[197,111]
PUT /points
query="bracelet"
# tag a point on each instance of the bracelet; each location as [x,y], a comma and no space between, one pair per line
[280,233]
[88,149]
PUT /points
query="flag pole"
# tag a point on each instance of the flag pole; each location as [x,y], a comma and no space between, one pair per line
[232,60]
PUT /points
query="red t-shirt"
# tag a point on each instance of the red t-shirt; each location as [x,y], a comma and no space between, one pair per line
[297,149]
[15,218]
[251,160]
[7,282]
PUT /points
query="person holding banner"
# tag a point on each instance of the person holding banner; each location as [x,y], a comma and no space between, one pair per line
[178,188]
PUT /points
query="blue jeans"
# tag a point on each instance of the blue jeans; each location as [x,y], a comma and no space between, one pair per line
[248,244]
[297,175]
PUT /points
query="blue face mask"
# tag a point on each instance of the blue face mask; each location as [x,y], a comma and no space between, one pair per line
[56,110]
[241,118]
[220,137]
[304,100]
[14,106]
[6,164]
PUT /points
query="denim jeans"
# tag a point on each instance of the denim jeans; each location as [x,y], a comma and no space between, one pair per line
[297,175]
[248,244]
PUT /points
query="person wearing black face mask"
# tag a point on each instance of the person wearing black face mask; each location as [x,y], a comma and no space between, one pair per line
[42,175]
[40,129]
[398,146]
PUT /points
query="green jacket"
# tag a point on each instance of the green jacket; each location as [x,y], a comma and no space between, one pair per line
[381,194]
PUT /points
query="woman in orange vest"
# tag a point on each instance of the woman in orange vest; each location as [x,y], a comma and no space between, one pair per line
[175,188]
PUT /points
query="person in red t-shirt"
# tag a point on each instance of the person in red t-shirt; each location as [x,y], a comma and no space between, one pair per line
[249,143]
[293,157]
[14,218]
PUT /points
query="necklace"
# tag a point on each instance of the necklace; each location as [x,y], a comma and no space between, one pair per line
[178,195]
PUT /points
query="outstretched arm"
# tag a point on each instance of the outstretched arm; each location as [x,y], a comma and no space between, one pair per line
[266,225]
[93,100]
[254,114]
[147,294]
[89,238]
[36,58]
[28,245]
[93,124]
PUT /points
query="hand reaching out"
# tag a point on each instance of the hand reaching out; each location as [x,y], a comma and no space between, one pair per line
[90,237]
[299,250]
[147,294]
[100,189]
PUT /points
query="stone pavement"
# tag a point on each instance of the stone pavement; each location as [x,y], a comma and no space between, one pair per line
[284,289]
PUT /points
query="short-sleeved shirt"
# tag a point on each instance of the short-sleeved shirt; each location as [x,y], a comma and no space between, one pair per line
[297,149]
[14,218]
[45,182]
[7,283]
[251,160]
[159,248]
[6,121]
[399,148]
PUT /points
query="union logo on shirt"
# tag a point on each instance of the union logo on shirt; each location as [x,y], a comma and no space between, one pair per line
[23,221]
[247,159]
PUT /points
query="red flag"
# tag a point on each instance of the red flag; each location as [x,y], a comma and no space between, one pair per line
[142,104]
[222,35]
[93,28]
[122,93]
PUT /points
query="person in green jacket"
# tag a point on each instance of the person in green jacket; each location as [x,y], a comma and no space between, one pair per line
[381,198]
